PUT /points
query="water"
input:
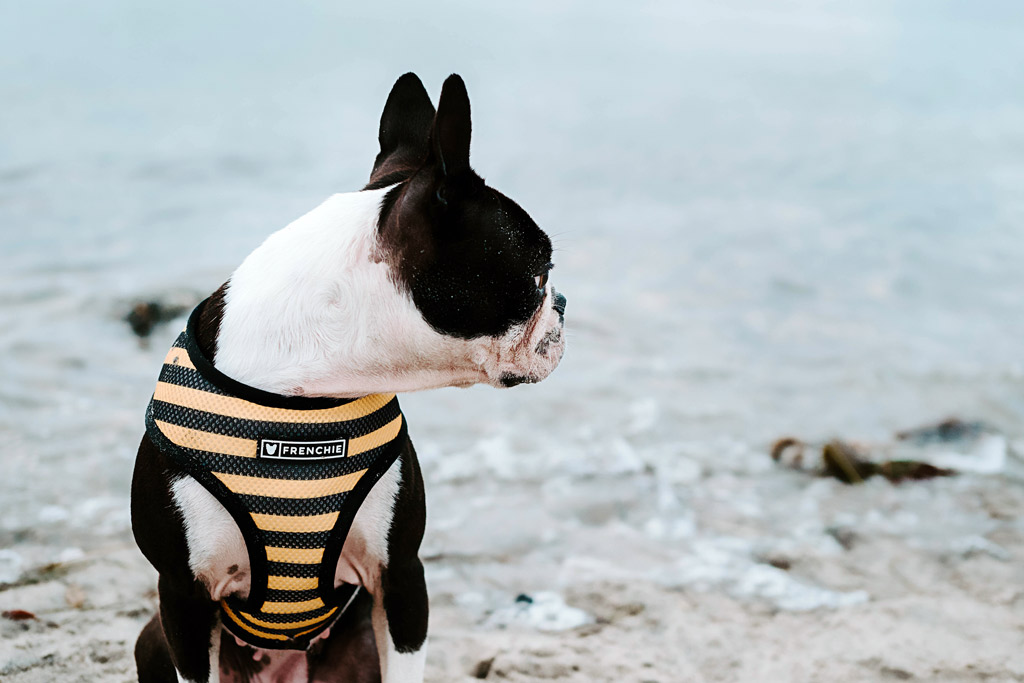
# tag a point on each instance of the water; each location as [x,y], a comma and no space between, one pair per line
[801,218]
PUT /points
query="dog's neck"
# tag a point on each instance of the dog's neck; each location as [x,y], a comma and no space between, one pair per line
[315,311]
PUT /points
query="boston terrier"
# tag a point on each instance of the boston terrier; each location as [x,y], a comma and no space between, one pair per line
[276,490]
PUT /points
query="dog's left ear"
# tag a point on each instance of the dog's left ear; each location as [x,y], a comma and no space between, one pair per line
[404,128]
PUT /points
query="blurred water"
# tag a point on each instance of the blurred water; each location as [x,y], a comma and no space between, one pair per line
[801,218]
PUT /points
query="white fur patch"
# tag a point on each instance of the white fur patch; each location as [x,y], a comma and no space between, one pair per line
[403,667]
[216,549]
[366,547]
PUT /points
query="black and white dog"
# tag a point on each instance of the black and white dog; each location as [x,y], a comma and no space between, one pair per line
[426,278]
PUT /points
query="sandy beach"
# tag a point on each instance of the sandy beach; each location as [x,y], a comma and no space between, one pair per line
[800,221]
[561,581]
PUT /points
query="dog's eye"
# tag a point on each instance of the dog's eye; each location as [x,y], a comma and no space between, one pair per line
[542,280]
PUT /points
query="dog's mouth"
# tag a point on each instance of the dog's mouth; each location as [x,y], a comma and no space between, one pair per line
[533,351]
[509,380]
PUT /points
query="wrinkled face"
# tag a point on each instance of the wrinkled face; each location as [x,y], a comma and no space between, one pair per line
[474,262]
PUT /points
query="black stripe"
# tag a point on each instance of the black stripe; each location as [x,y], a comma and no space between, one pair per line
[244,391]
[295,539]
[281,595]
[282,619]
[288,431]
[268,505]
[281,630]
[181,376]
[284,469]
[271,469]
[302,571]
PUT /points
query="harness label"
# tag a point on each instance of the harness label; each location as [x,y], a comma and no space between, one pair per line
[303,450]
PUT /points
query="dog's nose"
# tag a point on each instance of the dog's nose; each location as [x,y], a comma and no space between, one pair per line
[558,302]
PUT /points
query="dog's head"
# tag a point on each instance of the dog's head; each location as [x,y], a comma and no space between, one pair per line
[427,278]
[473,261]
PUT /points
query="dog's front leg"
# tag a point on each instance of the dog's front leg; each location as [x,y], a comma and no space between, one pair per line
[191,626]
[400,620]
[384,549]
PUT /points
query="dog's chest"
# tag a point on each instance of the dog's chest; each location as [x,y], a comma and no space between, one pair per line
[219,558]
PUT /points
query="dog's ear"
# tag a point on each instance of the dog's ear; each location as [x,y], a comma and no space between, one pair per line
[404,128]
[450,134]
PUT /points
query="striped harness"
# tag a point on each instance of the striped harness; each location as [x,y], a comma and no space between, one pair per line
[291,471]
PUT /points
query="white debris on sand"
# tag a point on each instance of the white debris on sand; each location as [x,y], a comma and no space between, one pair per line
[543,611]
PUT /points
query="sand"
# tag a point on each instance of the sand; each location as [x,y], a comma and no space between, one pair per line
[796,588]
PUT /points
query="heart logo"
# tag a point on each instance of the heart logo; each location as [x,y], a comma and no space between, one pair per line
[270,448]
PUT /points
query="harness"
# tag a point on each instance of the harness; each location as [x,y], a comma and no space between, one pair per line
[291,471]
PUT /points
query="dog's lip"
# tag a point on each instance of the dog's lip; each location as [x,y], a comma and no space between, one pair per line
[509,379]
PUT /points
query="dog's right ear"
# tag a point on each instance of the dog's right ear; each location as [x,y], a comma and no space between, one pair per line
[404,129]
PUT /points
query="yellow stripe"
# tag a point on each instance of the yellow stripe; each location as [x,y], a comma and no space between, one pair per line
[294,624]
[295,523]
[231,406]
[289,488]
[205,441]
[250,629]
[295,555]
[302,633]
[290,583]
[375,438]
[291,607]
[178,357]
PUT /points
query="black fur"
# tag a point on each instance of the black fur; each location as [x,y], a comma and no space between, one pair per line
[188,617]
[152,656]
[209,322]
[405,589]
[156,524]
[404,127]
[350,654]
[185,607]
[468,254]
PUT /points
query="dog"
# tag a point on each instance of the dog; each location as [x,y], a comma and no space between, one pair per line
[276,490]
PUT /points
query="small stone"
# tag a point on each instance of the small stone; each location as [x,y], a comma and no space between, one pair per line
[18,615]
[483,668]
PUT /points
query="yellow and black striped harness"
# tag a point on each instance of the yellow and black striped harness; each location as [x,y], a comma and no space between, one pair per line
[292,471]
